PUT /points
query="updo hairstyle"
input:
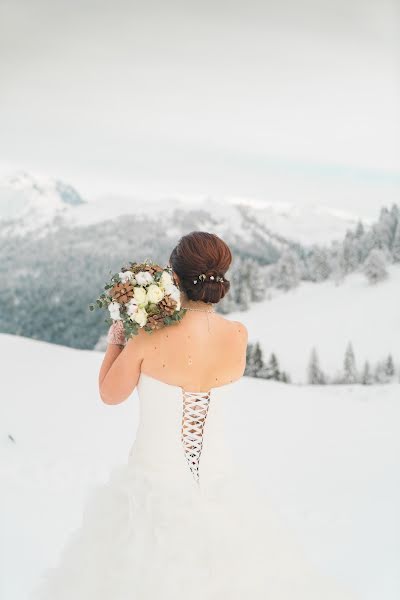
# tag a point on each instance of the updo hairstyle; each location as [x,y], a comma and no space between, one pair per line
[201,259]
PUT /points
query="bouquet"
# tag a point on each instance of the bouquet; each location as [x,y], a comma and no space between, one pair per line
[141,295]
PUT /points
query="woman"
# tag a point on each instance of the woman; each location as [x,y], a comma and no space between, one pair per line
[181,520]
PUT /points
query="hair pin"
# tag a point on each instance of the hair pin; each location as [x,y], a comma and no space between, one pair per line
[203,276]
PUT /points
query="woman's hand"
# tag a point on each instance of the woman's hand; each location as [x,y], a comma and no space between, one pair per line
[116,334]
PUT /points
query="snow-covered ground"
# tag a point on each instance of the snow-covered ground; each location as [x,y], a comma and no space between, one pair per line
[328,316]
[328,457]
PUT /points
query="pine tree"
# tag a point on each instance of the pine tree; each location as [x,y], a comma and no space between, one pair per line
[350,252]
[319,264]
[389,366]
[349,365]
[396,244]
[254,360]
[385,228]
[380,375]
[375,266]
[256,281]
[395,212]
[359,230]
[314,372]
[285,377]
[271,369]
[366,377]
[273,365]
[338,269]
[243,295]
[287,270]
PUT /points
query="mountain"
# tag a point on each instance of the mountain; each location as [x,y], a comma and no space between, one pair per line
[32,203]
[29,203]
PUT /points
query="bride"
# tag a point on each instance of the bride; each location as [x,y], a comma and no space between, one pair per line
[180,520]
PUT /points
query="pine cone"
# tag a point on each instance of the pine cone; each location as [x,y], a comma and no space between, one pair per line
[155,322]
[153,269]
[122,292]
[167,305]
[136,267]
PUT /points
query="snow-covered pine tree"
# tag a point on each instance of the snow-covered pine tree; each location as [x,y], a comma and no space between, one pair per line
[338,265]
[351,258]
[395,212]
[349,365]
[243,296]
[272,368]
[319,264]
[285,377]
[256,280]
[396,244]
[366,376]
[254,360]
[380,375]
[287,270]
[315,376]
[359,232]
[385,228]
[389,366]
[375,266]
[258,358]
[250,369]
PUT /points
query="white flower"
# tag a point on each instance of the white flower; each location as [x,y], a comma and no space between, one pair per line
[131,307]
[140,317]
[144,278]
[166,279]
[140,295]
[125,276]
[175,294]
[154,293]
[114,307]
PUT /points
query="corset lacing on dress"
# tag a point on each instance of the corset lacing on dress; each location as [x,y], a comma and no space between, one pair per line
[195,409]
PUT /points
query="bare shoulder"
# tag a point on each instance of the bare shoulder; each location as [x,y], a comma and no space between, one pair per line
[239,331]
[138,343]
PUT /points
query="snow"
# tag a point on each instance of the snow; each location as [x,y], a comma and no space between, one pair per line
[32,202]
[327,456]
[328,316]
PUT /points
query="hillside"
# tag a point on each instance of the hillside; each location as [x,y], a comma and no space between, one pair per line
[328,457]
[328,316]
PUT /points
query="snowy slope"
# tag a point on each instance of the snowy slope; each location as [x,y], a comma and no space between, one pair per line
[328,458]
[328,316]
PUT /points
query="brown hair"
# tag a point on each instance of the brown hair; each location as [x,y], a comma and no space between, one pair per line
[201,252]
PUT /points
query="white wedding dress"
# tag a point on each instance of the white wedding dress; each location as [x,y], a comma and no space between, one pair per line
[181,521]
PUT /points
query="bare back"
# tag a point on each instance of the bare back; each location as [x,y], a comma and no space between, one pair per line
[194,357]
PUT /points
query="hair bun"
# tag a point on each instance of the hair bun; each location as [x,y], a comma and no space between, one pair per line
[199,259]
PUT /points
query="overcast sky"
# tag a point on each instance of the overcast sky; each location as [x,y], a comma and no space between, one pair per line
[230,98]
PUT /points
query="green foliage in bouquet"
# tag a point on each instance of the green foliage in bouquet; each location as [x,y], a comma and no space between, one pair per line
[141,296]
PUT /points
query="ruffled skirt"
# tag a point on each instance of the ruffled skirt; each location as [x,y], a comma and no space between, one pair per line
[143,537]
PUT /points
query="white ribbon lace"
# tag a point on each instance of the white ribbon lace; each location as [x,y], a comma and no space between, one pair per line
[195,409]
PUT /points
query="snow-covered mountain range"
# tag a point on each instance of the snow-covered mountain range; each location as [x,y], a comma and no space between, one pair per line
[29,202]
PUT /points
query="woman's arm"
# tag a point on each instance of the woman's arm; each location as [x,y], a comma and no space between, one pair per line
[120,369]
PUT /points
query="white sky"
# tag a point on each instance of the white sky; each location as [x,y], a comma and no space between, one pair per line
[228,98]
